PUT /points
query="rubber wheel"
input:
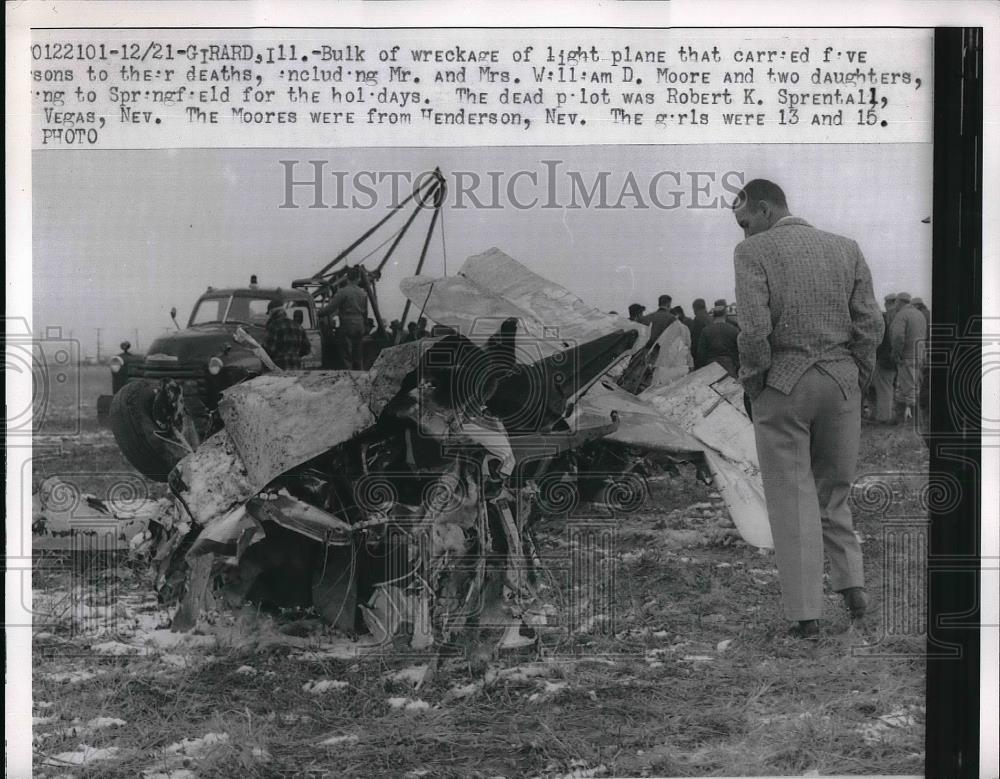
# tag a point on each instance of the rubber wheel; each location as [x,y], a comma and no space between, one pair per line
[134,430]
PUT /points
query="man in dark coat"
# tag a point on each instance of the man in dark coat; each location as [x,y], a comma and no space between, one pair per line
[698,323]
[718,342]
[659,320]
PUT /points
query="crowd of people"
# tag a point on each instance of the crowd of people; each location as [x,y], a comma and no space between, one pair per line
[678,344]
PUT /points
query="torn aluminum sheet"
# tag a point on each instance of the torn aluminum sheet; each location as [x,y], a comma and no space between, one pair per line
[493,287]
[281,420]
[641,424]
[706,404]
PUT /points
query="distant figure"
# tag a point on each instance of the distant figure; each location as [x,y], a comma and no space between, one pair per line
[422,331]
[119,378]
[698,323]
[395,332]
[923,396]
[635,312]
[884,377]
[284,339]
[298,317]
[909,332]
[718,342]
[350,305]
[659,320]
[411,332]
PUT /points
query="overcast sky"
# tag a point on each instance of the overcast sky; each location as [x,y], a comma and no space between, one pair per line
[120,237]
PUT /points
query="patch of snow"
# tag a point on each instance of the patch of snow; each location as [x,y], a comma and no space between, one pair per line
[75,676]
[84,755]
[465,691]
[334,741]
[317,687]
[409,704]
[722,646]
[195,747]
[246,670]
[415,675]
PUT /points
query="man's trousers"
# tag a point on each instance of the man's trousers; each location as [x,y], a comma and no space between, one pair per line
[807,445]
[884,384]
[908,381]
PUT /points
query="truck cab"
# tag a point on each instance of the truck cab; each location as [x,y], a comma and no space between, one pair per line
[185,372]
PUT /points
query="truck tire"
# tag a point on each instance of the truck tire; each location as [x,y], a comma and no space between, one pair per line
[134,430]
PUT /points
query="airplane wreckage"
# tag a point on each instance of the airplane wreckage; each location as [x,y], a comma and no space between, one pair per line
[401,501]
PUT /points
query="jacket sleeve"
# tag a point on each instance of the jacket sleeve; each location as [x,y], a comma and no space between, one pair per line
[753,304]
[867,323]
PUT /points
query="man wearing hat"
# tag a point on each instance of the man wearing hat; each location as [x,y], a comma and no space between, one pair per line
[284,340]
[810,325]
[635,312]
[718,341]
[884,377]
[908,335]
[350,305]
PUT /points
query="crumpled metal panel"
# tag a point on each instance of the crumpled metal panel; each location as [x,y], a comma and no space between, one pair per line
[708,404]
[212,480]
[640,423]
[492,287]
[281,420]
[390,368]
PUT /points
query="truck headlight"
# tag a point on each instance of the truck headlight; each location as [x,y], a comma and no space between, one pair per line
[116,364]
[215,366]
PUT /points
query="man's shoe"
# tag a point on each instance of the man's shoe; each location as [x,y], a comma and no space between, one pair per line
[856,601]
[806,628]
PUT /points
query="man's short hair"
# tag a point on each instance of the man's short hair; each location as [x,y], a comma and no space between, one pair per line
[761,189]
[273,304]
[353,274]
[699,304]
[664,301]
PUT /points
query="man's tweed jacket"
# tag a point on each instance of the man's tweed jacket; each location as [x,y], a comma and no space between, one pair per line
[804,297]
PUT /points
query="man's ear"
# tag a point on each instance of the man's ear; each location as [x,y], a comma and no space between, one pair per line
[765,208]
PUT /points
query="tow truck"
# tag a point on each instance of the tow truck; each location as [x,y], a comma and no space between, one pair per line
[167,404]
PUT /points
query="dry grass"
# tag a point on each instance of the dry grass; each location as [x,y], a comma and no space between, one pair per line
[633,701]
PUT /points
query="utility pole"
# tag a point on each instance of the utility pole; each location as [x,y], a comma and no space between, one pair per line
[135,339]
[98,329]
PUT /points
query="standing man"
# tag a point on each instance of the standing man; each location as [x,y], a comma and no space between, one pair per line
[698,323]
[284,339]
[350,305]
[809,326]
[908,334]
[884,378]
[718,342]
[659,320]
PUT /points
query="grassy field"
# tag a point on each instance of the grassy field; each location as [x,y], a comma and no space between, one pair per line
[685,670]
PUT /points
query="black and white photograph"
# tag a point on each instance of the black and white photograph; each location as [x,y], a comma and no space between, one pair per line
[551,400]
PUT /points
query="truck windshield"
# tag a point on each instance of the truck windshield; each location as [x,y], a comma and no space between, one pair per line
[231,308]
[244,310]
